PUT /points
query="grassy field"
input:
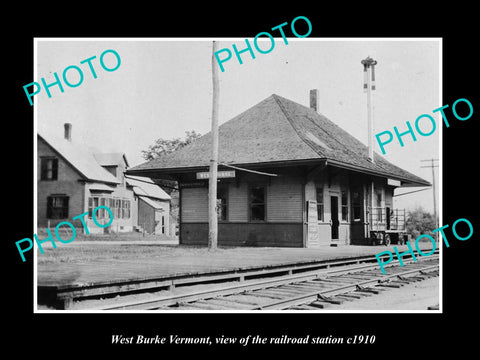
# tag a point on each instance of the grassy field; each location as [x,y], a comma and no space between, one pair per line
[85,253]
[125,236]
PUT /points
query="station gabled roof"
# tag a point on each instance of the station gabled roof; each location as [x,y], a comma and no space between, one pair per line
[279,131]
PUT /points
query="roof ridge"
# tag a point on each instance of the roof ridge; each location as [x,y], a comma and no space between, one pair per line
[293,125]
[334,138]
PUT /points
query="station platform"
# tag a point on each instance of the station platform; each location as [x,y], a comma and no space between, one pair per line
[87,263]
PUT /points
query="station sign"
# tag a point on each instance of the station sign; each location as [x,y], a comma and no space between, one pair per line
[393,182]
[224,174]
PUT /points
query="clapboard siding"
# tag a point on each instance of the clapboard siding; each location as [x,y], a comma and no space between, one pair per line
[245,234]
[194,205]
[284,201]
[238,203]
[283,197]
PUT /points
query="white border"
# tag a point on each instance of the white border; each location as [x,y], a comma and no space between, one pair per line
[181,312]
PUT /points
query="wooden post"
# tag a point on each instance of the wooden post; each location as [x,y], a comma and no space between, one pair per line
[433,166]
[212,182]
[434,200]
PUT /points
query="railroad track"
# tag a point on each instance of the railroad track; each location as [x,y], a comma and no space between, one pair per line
[308,290]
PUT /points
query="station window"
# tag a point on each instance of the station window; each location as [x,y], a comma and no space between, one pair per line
[320,204]
[379,205]
[344,205]
[49,168]
[222,203]
[357,205]
[57,207]
[257,203]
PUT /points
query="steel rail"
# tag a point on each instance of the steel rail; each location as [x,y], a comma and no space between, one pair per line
[250,285]
[317,295]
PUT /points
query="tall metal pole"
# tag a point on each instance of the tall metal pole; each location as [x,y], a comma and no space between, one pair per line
[369,115]
[370,136]
[368,65]
[369,85]
[212,182]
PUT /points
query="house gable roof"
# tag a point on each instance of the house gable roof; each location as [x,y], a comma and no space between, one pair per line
[110,159]
[143,186]
[280,130]
[81,159]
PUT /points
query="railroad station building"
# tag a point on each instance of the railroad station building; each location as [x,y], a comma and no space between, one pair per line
[288,177]
[72,179]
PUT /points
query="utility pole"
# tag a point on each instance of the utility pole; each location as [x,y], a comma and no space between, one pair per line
[212,180]
[433,166]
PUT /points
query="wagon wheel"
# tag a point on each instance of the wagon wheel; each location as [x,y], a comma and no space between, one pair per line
[401,240]
[373,238]
[387,240]
[380,237]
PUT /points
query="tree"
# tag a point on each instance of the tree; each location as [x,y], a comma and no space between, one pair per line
[162,146]
[420,222]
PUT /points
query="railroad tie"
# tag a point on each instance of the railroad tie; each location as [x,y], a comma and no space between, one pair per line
[330,300]
[368,290]
[317,304]
[391,284]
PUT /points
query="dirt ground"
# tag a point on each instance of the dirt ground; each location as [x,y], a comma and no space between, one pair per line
[415,296]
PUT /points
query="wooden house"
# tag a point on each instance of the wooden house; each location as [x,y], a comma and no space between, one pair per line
[288,176]
[72,179]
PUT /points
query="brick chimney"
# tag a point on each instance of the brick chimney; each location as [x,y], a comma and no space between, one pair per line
[314,99]
[68,131]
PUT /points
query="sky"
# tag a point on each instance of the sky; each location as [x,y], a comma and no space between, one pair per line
[163,88]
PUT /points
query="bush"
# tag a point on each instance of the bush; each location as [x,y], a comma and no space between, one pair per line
[420,222]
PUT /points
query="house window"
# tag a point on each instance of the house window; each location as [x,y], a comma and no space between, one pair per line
[92,204]
[118,209]
[222,203]
[125,209]
[111,205]
[320,204]
[57,207]
[102,213]
[344,205]
[257,203]
[49,169]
